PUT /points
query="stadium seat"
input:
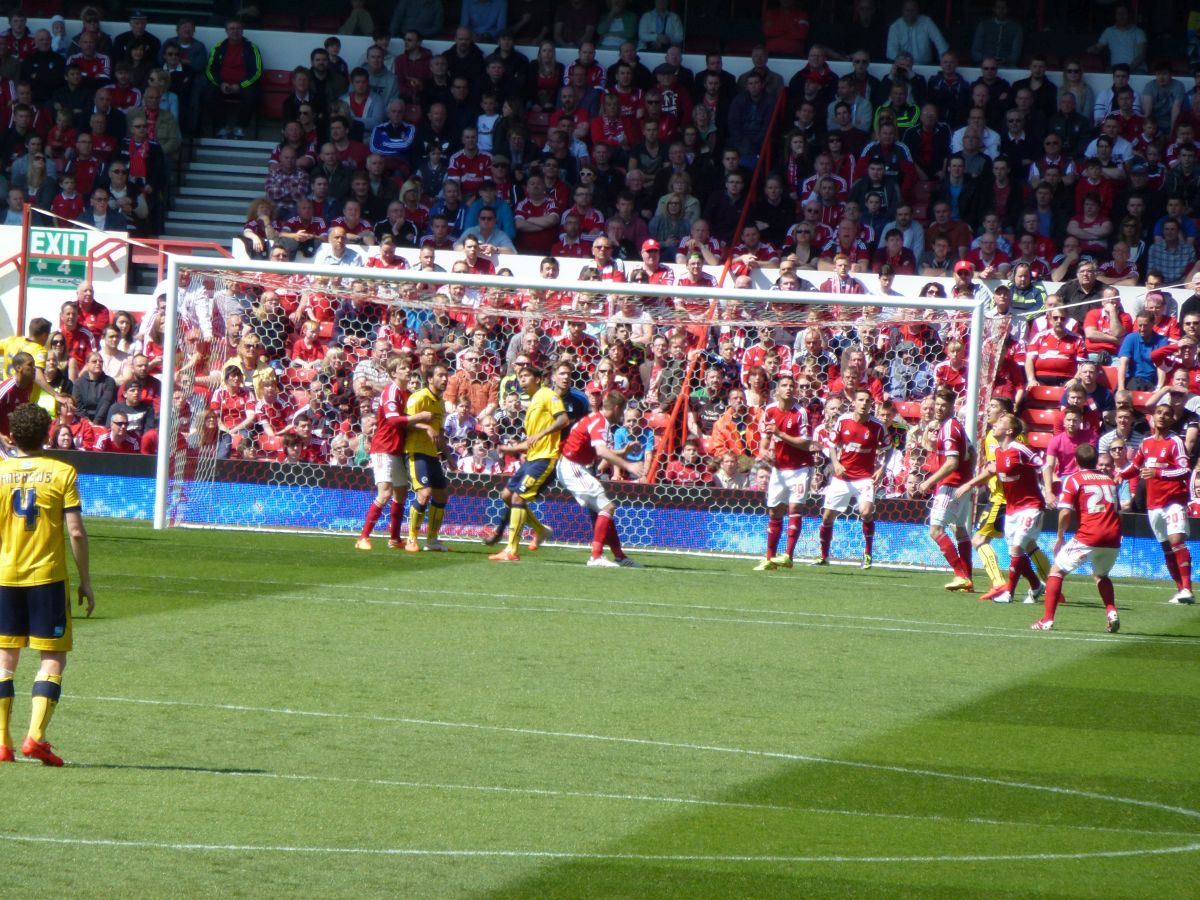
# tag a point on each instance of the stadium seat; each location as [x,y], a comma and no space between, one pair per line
[1108,377]
[325,330]
[298,375]
[538,123]
[921,212]
[1042,419]
[277,85]
[1141,400]
[277,21]
[1044,395]
[270,443]
[323,24]
[909,409]
[300,398]
[1039,439]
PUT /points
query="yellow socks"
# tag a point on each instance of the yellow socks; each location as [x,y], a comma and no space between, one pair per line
[991,565]
[6,702]
[46,691]
[516,525]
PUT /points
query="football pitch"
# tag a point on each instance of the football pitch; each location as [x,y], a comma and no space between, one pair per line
[267,715]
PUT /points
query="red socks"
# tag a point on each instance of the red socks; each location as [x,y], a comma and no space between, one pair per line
[1183,563]
[1105,586]
[774,529]
[948,550]
[614,542]
[795,523]
[600,535]
[374,511]
[868,537]
[826,534]
[964,553]
[1172,563]
[397,514]
[1054,594]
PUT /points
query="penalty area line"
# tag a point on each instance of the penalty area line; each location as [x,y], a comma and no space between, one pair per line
[585,855]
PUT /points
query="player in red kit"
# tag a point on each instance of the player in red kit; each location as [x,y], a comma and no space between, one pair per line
[1162,462]
[857,439]
[586,443]
[387,457]
[954,457]
[785,436]
[1017,467]
[1091,496]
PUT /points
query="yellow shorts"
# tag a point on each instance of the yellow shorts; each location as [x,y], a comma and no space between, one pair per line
[990,521]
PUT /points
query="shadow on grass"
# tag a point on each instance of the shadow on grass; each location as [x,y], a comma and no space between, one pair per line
[1031,771]
[142,767]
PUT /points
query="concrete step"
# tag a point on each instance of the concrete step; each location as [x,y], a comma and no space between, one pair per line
[216,232]
[199,204]
[221,186]
[231,170]
[222,145]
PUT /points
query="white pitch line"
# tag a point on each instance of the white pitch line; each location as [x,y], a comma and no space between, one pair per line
[690,801]
[584,855]
[994,631]
[650,742]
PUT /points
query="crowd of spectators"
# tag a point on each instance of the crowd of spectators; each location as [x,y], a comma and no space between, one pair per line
[382,163]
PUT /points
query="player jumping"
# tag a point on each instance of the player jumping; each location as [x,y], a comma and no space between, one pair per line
[584,445]
[1018,469]
[1163,464]
[786,438]
[856,440]
[1092,496]
[423,445]
[544,422]
[387,457]
[955,458]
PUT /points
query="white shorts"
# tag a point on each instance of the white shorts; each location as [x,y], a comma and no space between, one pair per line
[841,494]
[947,511]
[390,469]
[788,486]
[1074,554]
[583,485]
[1167,521]
[1021,529]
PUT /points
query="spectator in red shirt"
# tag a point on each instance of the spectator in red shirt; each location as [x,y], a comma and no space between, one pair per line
[691,468]
[1052,357]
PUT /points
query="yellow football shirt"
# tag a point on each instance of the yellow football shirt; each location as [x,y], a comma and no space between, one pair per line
[19,344]
[995,492]
[544,407]
[415,439]
[35,493]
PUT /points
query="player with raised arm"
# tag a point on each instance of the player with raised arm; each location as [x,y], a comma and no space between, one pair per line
[1018,469]
[857,439]
[955,459]
[387,456]
[544,422]
[35,603]
[1092,497]
[787,442]
[587,443]
[1162,462]
[424,443]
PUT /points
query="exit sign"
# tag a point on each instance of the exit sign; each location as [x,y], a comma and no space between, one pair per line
[57,258]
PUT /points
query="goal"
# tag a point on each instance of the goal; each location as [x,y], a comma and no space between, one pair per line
[695,363]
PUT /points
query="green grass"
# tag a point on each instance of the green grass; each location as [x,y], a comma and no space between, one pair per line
[279,715]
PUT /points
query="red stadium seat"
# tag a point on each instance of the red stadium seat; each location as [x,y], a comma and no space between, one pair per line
[1042,419]
[1039,439]
[1044,395]
[298,375]
[325,330]
[270,443]
[300,398]
[1108,377]
[909,409]
[277,85]
[1141,400]
[323,24]
[277,21]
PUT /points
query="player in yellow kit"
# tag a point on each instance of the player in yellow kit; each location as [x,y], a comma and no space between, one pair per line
[39,500]
[424,444]
[544,423]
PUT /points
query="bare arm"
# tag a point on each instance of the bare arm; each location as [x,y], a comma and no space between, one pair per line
[79,549]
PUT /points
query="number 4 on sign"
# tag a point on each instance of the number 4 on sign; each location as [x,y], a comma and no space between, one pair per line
[65,267]
[24,504]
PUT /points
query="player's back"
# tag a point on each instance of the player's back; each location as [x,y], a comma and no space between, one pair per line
[1094,496]
[578,447]
[544,408]
[416,440]
[38,492]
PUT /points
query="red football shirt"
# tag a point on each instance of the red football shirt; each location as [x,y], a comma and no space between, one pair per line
[953,443]
[389,429]
[1018,467]
[579,446]
[794,423]
[858,443]
[1169,458]
[1094,495]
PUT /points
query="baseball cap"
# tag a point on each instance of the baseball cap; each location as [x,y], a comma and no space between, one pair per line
[500,159]
[650,244]
[964,266]
[665,69]
[487,183]
[137,14]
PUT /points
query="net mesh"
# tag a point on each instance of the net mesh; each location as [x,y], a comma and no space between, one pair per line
[279,377]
